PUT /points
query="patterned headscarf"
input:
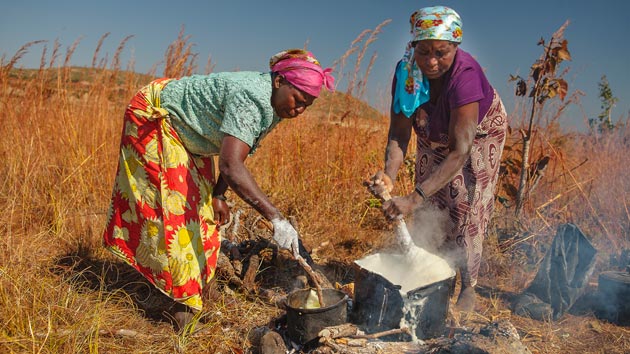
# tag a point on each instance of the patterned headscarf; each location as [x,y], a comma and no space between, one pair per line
[302,70]
[437,22]
[412,88]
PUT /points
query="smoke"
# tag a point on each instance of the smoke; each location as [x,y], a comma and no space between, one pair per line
[429,227]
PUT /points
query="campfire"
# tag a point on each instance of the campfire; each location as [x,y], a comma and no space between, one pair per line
[367,311]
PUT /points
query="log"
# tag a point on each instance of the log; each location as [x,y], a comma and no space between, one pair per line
[500,337]
[356,342]
[352,331]
[342,330]
[338,348]
[383,333]
[250,276]
[373,347]
[348,338]
[226,271]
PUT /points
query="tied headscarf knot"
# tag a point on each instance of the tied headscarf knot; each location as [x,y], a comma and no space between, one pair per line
[301,69]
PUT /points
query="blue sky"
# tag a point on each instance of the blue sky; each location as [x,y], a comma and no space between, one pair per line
[242,35]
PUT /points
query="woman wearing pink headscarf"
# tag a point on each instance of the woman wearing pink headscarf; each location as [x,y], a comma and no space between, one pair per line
[166,204]
[442,94]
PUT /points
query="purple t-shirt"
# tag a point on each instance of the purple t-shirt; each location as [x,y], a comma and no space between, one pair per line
[464,83]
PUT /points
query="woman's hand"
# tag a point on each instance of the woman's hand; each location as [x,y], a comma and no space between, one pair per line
[398,207]
[285,235]
[221,210]
[379,184]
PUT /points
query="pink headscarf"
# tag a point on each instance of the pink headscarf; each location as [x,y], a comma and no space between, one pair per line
[302,70]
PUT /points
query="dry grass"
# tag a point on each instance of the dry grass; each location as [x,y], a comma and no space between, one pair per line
[61,293]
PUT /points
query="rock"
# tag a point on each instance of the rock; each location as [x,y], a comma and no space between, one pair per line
[272,343]
[255,335]
[529,305]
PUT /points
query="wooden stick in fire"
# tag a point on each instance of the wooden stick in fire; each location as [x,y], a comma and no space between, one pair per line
[309,270]
[311,273]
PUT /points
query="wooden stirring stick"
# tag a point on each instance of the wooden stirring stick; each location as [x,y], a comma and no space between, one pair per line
[313,275]
[309,270]
[402,233]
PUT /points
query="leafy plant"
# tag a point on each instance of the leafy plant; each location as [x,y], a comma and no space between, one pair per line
[604,119]
[547,84]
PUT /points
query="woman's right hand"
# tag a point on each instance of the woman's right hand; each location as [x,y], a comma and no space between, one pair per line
[221,211]
[379,184]
[285,235]
[398,207]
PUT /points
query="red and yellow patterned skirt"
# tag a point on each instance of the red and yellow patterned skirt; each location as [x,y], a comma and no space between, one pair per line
[160,220]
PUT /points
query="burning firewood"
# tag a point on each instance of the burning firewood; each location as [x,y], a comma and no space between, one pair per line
[342,330]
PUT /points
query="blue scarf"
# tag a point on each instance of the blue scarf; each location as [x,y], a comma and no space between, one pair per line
[412,88]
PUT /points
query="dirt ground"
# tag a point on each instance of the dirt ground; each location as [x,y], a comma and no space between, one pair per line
[254,278]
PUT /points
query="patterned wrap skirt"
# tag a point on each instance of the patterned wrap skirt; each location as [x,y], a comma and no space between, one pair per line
[469,197]
[160,220]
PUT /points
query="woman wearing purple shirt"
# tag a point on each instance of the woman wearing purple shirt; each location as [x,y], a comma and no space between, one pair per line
[441,93]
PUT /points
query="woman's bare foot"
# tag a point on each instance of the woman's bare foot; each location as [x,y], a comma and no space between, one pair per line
[182,319]
[466,299]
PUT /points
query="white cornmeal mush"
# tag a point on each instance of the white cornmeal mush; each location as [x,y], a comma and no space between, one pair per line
[312,301]
[411,309]
[411,270]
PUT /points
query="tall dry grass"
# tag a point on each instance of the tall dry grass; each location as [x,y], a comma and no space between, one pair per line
[61,293]
[60,130]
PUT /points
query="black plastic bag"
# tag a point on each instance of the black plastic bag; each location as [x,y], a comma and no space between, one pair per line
[561,278]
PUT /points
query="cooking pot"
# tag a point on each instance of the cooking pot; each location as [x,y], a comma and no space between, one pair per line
[305,323]
[614,296]
[380,305]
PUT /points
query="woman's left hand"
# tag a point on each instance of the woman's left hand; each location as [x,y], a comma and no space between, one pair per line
[221,211]
[397,207]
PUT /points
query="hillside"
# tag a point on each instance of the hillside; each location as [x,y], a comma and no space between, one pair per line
[60,292]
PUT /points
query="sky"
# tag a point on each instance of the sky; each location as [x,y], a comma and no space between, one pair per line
[241,35]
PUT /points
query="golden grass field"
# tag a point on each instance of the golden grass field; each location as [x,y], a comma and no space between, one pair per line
[60,292]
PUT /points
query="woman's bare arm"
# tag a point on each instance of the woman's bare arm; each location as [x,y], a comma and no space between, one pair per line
[237,176]
[397,143]
[461,131]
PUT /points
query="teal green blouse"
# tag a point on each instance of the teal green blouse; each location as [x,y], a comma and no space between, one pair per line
[203,108]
